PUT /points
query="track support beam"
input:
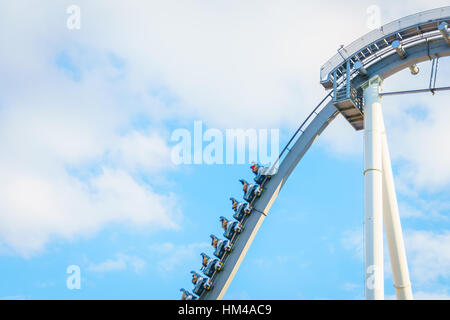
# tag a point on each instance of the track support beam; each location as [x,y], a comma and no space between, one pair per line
[381,203]
[373,190]
[393,227]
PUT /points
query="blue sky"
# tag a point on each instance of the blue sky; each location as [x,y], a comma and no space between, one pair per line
[86,176]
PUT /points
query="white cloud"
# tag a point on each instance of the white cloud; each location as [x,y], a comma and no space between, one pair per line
[421,295]
[238,295]
[430,209]
[231,64]
[170,256]
[142,153]
[41,207]
[424,295]
[66,170]
[14,298]
[353,240]
[428,256]
[417,128]
[341,139]
[349,286]
[70,162]
[122,262]
[408,211]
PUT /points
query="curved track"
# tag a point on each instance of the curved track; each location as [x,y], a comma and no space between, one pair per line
[421,37]
[262,205]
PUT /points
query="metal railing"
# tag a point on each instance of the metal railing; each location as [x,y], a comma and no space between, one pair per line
[301,128]
[377,42]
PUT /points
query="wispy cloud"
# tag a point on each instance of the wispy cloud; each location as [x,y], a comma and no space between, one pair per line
[121,262]
[430,209]
[421,295]
[170,256]
[353,240]
[424,295]
[14,298]
[428,255]
[60,126]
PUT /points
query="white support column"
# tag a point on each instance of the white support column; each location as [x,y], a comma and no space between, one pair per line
[373,190]
[393,228]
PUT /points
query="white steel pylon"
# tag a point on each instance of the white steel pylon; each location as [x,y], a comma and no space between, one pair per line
[394,234]
[380,201]
[373,191]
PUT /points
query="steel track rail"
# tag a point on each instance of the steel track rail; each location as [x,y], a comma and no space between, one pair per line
[384,65]
[320,120]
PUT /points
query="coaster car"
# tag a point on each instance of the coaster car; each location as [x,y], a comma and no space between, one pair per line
[261,173]
[240,209]
[230,227]
[210,265]
[220,246]
[201,283]
[250,190]
[186,295]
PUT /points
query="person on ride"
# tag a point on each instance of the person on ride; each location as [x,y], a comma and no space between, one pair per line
[183,297]
[214,241]
[255,167]
[261,173]
[187,295]
[194,277]
[224,222]
[205,259]
[234,204]
[244,185]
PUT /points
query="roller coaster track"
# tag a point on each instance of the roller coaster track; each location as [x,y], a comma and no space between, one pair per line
[423,36]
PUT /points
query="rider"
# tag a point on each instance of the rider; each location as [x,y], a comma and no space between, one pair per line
[230,227]
[244,185]
[220,246]
[210,265]
[187,295]
[234,204]
[214,241]
[200,283]
[194,277]
[250,190]
[224,222]
[205,259]
[260,172]
[240,209]
[255,168]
